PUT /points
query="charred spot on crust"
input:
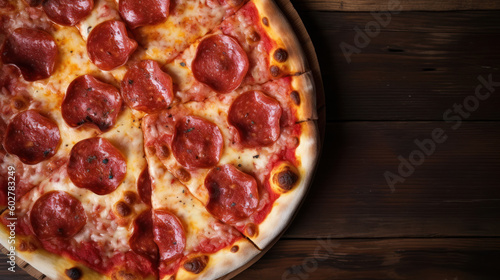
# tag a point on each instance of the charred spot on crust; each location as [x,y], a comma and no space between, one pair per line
[164,151]
[124,275]
[235,249]
[280,55]
[265,21]
[122,209]
[286,179]
[196,265]
[251,230]
[294,95]
[275,70]
[74,273]
[27,246]
[183,175]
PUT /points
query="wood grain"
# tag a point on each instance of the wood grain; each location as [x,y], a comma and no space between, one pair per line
[415,69]
[445,259]
[455,192]
[404,5]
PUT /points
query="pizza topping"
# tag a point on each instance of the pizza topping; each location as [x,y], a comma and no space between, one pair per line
[33,51]
[87,169]
[294,95]
[235,249]
[74,273]
[144,12]
[280,55]
[109,45]
[284,177]
[220,63]
[57,214]
[197,264]
[233,194]
[144,186]
[256,116]
[142,241]
[67,12]
[32,137]
[146,87]
[197,143]
[33,3]
[169,235]
[90,101]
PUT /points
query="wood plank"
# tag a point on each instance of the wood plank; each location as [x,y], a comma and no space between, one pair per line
[413,70]
[455,192]
[387,5]
[450,259]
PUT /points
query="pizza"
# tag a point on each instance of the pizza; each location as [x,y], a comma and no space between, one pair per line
[150,139]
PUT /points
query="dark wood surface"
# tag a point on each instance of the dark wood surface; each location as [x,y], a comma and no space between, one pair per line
[443,221]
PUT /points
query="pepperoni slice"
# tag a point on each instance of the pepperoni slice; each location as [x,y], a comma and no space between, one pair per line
[197,142]
[146,87]
[57,214]
[144,186]
[220,63]
[109,45]
[33,3]
[144,12]
[142,240]
[89,100]
[256,116]
[169,235]
[32,137]
[67,12]
[33,51]
[95,164]
[233,194]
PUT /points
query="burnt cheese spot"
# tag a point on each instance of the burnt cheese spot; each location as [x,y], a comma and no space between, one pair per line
[164,151]
[275,70]
[287,179]
[122,209]
[74,273]
[183,174]
[130,197]
[235,249]
[265,21]
[280,55]
[251,230]
[196,265]
[294,95]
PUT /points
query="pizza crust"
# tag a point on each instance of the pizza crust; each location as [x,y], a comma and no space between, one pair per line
[283,34]
[224,261]
[51,265]
[305,104]
[285,207]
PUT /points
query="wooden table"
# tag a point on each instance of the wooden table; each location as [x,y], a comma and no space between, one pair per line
[441,218]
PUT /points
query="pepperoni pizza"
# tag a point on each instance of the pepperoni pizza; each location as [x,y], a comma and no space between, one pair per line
[150,139]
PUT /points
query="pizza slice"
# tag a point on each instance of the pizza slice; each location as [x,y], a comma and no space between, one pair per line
[34,82]
[247,155]
[192,243]
[83,220]
[246,48]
